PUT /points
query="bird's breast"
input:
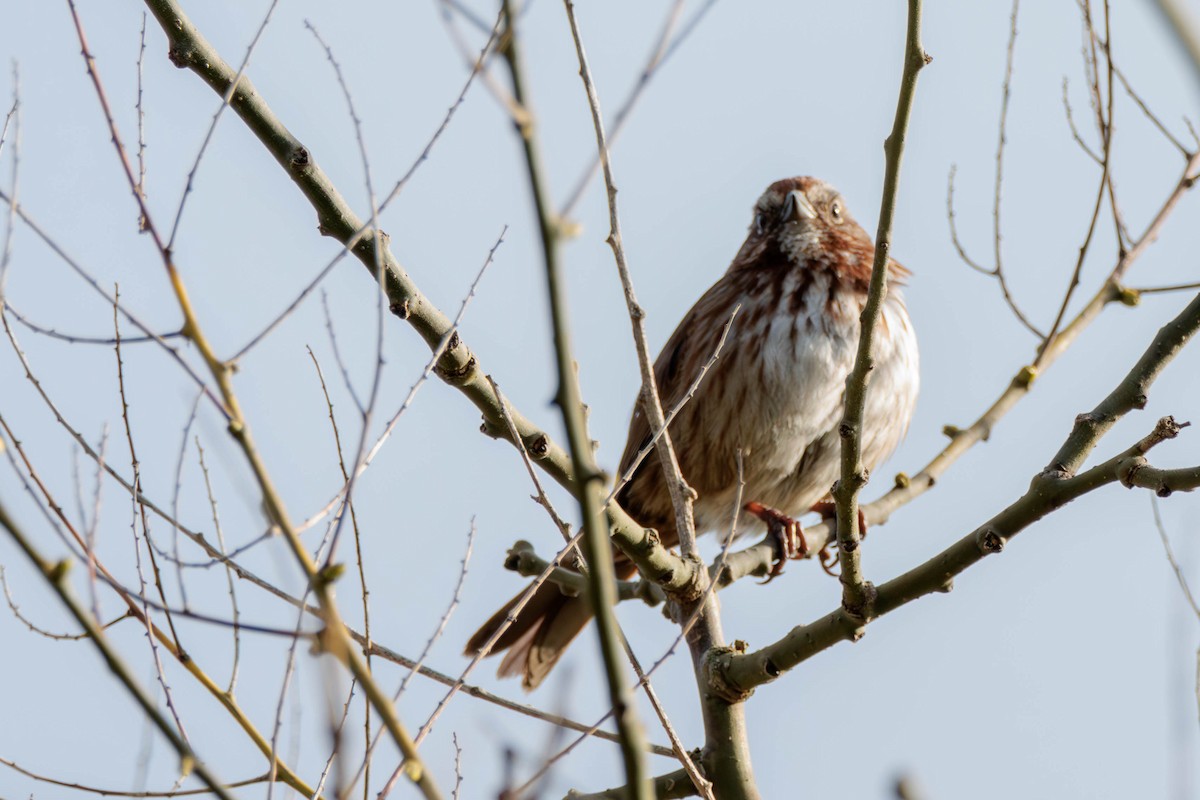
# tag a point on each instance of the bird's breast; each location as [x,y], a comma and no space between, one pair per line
[807,349]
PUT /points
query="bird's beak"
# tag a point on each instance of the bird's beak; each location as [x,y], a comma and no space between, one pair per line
[799,209]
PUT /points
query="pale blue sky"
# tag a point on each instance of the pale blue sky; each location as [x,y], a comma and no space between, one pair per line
[1062,668]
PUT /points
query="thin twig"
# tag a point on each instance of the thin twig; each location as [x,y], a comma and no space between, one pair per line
[358,552]
[367,410]
[212,504]
[91,528]
[455,599]
[997,270]
[1075,131]
[288,671]
[336,640]
[674,411]
[78,269]
[950,216]
[732,734]
[1178,287]
[1150,115]
[421,158]
[135,604]
[659,51]
[141,121]
[541,498]
[55,575]
[109,792]
[10,219]
[447,343]
[212,128]
[1166,543]
[183,448]
[347,381]
[40,631]
[1105,125]
[1002,140]
[106,341]
[1055,486]
[857,592]
[138,512]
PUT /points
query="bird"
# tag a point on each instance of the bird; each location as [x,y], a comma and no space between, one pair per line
[776,394]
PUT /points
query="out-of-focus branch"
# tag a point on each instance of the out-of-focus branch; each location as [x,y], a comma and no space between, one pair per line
[1164,482]
[671,786]
[113,792]
[13,117]
[684,629]
[857,593]
[725,727]
[1051,489]
[218,555]
[588,479]
[55,574]
[135,605]
[1186,28]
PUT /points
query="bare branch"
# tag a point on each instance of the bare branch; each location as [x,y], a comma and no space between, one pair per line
[13,117]
[1051,489]
[587,478]
[212,504]
[55,575]
[457,365]
[109,792]
[1166,543]
[1104,118]
[857,592]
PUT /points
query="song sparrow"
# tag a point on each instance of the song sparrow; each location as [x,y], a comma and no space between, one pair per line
[776,393]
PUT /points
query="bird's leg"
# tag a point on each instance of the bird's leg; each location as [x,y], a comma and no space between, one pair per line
[787,533]
[828,511]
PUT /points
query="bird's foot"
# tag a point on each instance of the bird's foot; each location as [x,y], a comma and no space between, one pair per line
[787,533]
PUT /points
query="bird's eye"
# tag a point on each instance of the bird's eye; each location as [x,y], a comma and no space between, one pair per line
[760,222]
[836,213]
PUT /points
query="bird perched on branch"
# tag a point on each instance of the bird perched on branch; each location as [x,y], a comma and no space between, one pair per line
[776,393]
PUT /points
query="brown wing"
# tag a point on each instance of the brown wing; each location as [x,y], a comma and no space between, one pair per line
[692,344]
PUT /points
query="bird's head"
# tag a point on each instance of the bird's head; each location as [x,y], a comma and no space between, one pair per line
[805,220]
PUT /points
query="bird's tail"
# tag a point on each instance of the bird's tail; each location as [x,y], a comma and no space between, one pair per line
[539,635]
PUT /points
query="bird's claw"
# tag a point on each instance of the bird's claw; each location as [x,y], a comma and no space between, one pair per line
[787,533]
[829,560]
